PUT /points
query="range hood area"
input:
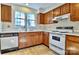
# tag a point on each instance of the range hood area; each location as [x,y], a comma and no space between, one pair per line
[65,17]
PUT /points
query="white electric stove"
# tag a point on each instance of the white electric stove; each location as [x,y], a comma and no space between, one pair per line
[58,38]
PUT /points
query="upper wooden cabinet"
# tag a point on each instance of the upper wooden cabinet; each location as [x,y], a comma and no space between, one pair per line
[48,17]
[65,8]
[57,11]
[40,18]
[5,13]
[74,10]
[72,45]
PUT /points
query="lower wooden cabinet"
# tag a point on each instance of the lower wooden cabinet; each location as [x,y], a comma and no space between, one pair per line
[22,42]
[33,38]
[72,45]
[27,39]
[46,38]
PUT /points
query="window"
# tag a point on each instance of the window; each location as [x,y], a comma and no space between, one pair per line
[19,18]
[31,22]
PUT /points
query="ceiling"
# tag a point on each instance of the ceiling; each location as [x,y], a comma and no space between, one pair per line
[42,7]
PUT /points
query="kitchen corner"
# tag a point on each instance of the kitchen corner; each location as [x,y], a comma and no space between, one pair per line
[23,28]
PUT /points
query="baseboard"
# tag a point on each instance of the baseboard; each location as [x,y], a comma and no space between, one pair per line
[45,45]
[29,46]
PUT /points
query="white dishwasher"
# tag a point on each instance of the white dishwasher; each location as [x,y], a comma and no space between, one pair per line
[9,42]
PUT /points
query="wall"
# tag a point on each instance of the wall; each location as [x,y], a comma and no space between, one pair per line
[11,25]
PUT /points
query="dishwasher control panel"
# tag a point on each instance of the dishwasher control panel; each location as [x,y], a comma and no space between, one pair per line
[8,35]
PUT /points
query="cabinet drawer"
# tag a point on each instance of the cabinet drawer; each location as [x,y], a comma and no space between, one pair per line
[73,38]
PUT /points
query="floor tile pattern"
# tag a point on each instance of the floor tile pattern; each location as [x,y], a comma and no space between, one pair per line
[36,50]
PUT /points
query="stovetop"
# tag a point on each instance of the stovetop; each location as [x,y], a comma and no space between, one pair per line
[63,29]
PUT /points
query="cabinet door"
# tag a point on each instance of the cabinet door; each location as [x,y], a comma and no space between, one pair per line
[72,45]
[48,17]
[46,38]
[57,12]
[22,40]
[37,38]
[40,18]
[34,38]
[45,19]
[5,13]
[72,48]
[29,38]
[74,10]
[65,8]
[40,35]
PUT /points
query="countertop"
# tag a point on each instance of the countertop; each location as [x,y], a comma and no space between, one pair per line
[20,31]
[71,33]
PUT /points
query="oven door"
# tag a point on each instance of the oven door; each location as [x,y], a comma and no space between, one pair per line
[57,40]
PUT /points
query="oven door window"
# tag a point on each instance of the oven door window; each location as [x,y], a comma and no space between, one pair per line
[56,38]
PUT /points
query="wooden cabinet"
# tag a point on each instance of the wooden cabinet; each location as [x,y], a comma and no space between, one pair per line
[27,39]
[48,17]
[72,45]
[46,21]
[74,10]
[46,38]
[22,40]
[57,11]
[65,8]
[5,13]
[40,18]
[33,38]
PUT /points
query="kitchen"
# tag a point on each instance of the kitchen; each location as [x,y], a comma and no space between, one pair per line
[34,26]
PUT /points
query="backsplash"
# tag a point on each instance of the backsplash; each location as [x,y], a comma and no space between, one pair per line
[63,23]
[6,26]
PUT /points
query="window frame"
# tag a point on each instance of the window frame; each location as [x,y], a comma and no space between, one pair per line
[19,18]
[31,20]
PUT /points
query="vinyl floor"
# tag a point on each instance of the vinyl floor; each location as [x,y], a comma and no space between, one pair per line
[36,50]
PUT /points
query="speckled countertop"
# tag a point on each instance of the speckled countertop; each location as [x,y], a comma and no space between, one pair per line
[71,33]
